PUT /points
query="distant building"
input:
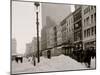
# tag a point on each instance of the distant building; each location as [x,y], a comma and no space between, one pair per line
[14,49]
[49,20]
[29,49]
[14,46]
[52,35]
[44,38]
[67,26]
[89,26]
[34,44]
[45,31]
[59,35]
[48,36]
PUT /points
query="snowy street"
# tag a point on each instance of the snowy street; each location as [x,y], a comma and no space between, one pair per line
[57,63]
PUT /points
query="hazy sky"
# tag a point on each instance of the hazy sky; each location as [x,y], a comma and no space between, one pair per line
[57,12]
[24,22]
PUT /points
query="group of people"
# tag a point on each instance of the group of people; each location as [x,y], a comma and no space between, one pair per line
[85,55]
[88,54]
[32,59]
[19,58]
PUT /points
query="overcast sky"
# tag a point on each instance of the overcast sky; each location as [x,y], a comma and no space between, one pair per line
[24,21]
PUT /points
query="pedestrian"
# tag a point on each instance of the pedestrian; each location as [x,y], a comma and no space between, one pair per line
[49,54]
[33,60]
[16,59]
[88,57]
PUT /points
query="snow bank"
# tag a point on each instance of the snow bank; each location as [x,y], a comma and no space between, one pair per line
[57,63]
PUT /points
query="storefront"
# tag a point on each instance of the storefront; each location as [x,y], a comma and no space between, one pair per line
[67,49]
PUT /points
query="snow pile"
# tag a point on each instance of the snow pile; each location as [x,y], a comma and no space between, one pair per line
[57,63]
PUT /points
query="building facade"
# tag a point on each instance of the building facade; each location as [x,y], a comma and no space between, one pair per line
[67,34]
[59,35]
[89,26]
[45,31]
[47,37]
[77,16]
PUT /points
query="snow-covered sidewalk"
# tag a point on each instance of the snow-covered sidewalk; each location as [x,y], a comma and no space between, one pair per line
[57,63]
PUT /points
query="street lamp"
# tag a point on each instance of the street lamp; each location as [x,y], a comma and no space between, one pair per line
[37,23]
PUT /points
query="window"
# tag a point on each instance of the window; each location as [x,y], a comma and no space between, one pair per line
[92,31]
[91,7]
[89,31]
[76,25]
[67,30]
[87,10]
[77,16]
[84,33]
[87,21]
[84,22]
[91,18]
[71,20]
[63,22]
[95,17]
[95,30]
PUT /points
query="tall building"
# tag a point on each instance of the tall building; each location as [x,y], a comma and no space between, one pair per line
[77,15]
[55,11]
[51,16]
[45,32]
[48,36]
[89,26]
[14,46]
[44,38]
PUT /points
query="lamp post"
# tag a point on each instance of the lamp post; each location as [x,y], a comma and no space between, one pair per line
[37,23]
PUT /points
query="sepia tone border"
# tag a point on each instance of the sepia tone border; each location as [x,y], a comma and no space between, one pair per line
[11,40]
